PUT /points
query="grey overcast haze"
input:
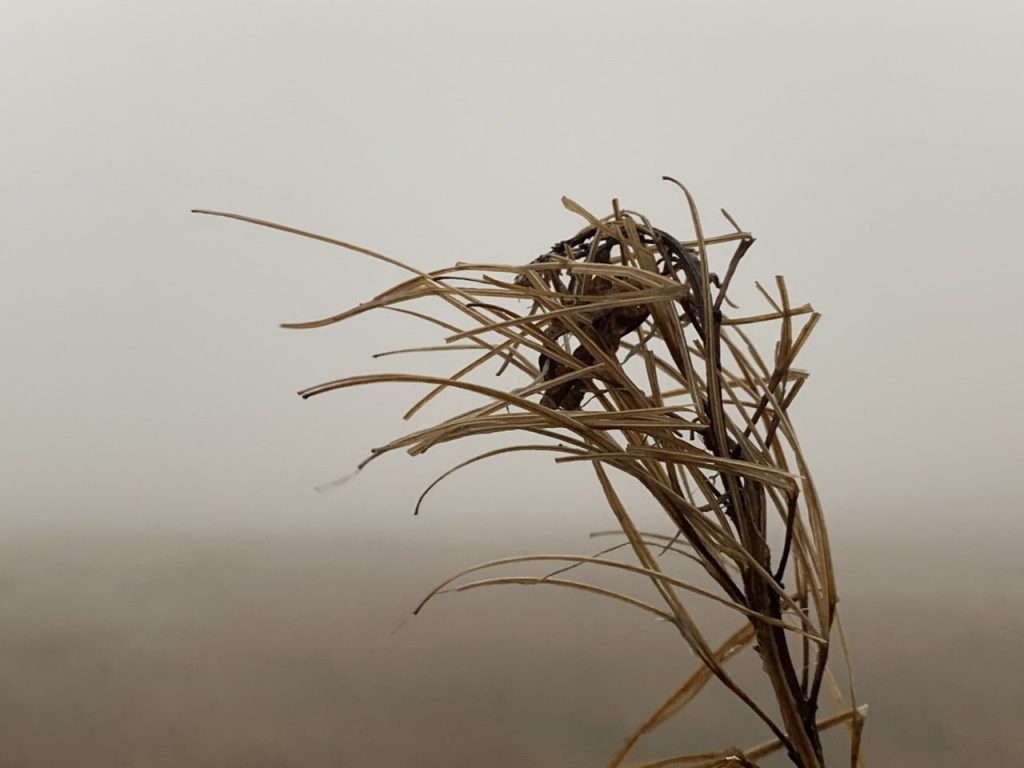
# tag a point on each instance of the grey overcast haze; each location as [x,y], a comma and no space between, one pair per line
[151,428]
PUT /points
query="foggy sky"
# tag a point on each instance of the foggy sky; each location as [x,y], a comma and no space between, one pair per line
[874,150]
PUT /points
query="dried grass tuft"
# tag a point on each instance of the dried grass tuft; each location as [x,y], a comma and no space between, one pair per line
[633,365]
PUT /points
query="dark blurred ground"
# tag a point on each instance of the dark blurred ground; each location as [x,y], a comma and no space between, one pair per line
[275,648]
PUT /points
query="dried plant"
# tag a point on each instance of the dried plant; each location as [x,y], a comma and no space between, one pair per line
[633,365]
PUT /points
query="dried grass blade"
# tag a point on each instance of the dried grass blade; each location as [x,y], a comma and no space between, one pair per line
[686,692]
[722,759]
[522,580]
[682,619]
[482,457]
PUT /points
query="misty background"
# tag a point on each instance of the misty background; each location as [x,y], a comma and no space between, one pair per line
[174,592]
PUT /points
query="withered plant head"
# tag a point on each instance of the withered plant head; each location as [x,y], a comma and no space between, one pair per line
[633,364]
